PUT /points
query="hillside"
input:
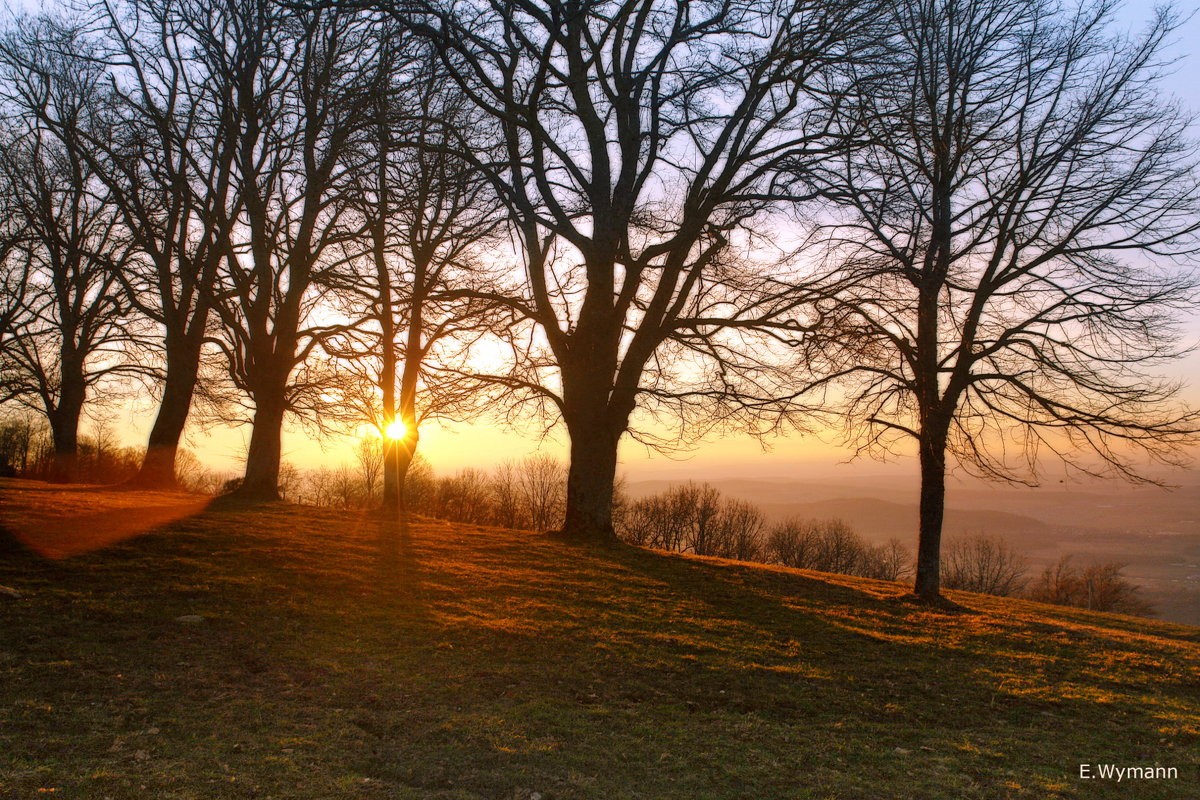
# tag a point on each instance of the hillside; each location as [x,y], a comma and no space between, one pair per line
[297,653]
[1152,531]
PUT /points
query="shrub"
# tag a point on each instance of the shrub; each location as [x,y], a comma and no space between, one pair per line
[831,545]
[983,564]
[694,518]
[1099,587]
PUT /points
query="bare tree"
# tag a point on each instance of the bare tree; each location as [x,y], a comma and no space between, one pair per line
[742,527]
[1007,247]
[17,438]
[506,492]
[542,482]
[833,546]
[639,140]
[166,167]
[984,564]
[427,216]
[193,476]
[464,497]
[67,328]
[696,518]
[1099,586]
[370,454]
[890,561]
[14,268]
[839,549]
[789,543]
[657,521]
[290,93]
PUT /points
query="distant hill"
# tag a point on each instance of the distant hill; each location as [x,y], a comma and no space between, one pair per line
[881,519]
[292,652]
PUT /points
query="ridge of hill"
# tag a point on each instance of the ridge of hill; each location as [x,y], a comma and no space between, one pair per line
[1153,531]
[290,652]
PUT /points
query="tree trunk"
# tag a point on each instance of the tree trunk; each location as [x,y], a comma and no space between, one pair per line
[404,454]
[393,478]
[933,505]
[261,481]
[64,425]
[590,480]
[64,430]
[158,467]
[934,420]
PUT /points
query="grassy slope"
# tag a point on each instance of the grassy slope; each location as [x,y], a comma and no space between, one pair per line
[476,663]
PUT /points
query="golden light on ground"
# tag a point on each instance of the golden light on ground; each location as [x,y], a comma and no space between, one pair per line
[395,430]
[77,519]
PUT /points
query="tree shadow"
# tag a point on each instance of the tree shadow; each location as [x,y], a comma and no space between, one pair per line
[898,652]
[396,563]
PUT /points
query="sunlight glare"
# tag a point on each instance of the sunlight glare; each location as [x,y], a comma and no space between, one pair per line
[395,430]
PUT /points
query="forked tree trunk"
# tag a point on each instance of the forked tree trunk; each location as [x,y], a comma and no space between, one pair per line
[404,452]
[393,479]
[934,423]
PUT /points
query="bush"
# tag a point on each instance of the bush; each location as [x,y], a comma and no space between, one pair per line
[1099,587]
[194,477]
[983,564]
[542,492]
[890,561]
[694,518]
[832,546]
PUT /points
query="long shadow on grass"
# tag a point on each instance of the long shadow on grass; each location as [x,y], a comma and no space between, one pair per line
[684,658]
[934,676]
[397,563]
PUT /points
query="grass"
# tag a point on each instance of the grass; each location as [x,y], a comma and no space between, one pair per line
[464,662]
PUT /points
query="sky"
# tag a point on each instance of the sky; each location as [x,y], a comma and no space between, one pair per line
[456,446]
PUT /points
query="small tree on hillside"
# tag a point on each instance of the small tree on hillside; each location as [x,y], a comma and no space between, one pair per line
[1006,247]
[67,328]
[287,92]
[890,561]
[429,221]
[369,454]
[152,148]
[542,481]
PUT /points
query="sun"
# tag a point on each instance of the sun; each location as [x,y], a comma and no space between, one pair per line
[396,429]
